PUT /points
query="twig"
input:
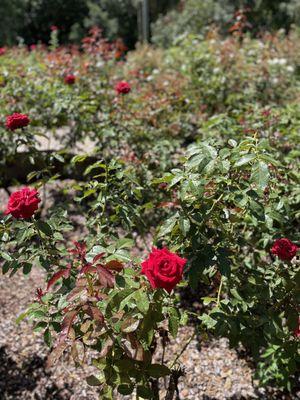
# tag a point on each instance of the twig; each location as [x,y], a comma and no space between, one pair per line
[182,350]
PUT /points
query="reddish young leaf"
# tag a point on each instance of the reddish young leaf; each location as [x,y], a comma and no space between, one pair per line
[62,273]
[61,344]
[80,250]
[106,278]
[98,257]
[94,313]
[88,268]
[114,265]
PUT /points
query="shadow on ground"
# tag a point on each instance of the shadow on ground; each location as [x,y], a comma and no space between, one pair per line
[20,381]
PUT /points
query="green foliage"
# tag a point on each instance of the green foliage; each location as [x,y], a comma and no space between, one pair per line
[196,15]
[202,156]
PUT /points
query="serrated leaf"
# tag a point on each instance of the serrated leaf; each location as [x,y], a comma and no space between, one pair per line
[260,175]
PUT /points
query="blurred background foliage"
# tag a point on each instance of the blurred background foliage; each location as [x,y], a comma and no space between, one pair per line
[30,20]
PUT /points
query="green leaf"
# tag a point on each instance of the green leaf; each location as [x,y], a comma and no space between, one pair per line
[125,389]
[142,300]
[27,268]
[184,225]
[44,227]
[235,294]
[144,392]
[208,300]
[22,316]
[168,226]
[158,370]
[6,256]
[208,321]
[245,160]
[93,381]
[48,337]
[174,320]
[260,175]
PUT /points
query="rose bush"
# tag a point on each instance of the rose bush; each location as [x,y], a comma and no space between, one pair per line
[202,161]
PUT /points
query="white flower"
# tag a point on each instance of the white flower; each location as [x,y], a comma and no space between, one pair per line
[282,61]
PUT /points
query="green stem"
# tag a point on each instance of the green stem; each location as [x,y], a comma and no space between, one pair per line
[39,233]
[182,350]
[90,284]
[219,292]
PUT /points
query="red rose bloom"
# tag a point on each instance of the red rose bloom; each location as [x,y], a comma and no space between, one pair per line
[163,269]
[297,330]
[2,51]
[53,28]
[122,87]
[284,249]
[23,203]
[16,121]
[70,79]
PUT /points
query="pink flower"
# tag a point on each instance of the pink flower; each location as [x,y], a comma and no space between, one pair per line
[2,51]
[16,121]
[284,249]
[23,203]
[122,87]
[163,269]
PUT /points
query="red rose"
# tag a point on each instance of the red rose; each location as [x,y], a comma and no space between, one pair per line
[23,203]
[2,51]
[70,79]
[16,121]
[53,28]
[163,269]
[284,249]
[122,87]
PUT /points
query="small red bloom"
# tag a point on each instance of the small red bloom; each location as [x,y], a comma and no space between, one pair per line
[163,269]
[122,87]
[70,79]
[2,51]
[23,203]
[284,249]
[53,28]
[297,330]
[16,121]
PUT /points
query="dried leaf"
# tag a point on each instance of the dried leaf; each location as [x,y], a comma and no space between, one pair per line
[61,344]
